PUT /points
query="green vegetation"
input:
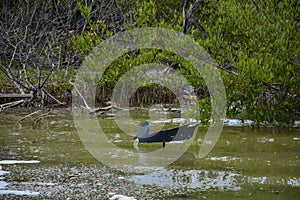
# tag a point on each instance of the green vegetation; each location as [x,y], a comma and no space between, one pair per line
[259,38]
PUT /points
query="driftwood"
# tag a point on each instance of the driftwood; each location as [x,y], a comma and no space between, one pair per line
[29,115]
[105,109]
[36,119]
[14,103]
[15,95]
[11,104]
[29,98]
[39,118]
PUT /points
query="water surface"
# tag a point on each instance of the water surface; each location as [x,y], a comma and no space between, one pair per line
[46,159]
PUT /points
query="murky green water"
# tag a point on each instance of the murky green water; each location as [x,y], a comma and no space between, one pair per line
[246,163]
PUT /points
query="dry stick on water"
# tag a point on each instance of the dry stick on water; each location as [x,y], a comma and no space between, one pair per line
[101,109]
[106,108]
[10,104]
[29,115]
[39,118]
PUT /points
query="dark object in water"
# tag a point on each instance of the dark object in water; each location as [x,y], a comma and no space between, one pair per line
[175,134]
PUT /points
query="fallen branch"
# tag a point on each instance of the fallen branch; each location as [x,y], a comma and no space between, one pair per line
[15,95]
[10,104]
[82,97]
[29,115]
[106,109]
[58,101]
[39,118]
[101,109]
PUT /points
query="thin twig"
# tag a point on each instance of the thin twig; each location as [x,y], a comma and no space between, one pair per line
[38,119]
[31,114]
[58,101]
[256,6]
[82,97]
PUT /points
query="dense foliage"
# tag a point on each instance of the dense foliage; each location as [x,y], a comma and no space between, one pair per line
[258,40]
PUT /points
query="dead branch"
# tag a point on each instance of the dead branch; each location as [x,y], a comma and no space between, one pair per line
[39,118]
[29,115]
[11,104]
[96,110]
[189,20]
[229,68]
[256,6]
[15,95]
[106,109]
[58,101]
[101,109]
[82,97]
[197,23]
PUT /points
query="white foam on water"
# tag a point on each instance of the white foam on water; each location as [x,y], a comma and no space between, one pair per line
[3,184]
[19,192]
[161,121]
[2,172]
[11,162]
[295,182]
[223,158]
[121,197]
[177,142]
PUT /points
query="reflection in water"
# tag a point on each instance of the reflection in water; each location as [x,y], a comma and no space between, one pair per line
[206,179]
[294,182]
[244,159]
[190,179]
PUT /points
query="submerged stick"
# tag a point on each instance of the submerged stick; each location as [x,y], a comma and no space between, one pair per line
[39,118]
[31,114]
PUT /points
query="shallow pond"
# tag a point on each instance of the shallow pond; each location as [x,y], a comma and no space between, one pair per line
[45,159]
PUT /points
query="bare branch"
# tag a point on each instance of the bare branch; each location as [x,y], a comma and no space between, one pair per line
[200,27]
[29,115]
[189,20]
[10,105]
[256,5]
[82,97]
[61,103]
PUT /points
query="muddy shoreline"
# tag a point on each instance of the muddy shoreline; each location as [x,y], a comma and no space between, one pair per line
[78,182]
